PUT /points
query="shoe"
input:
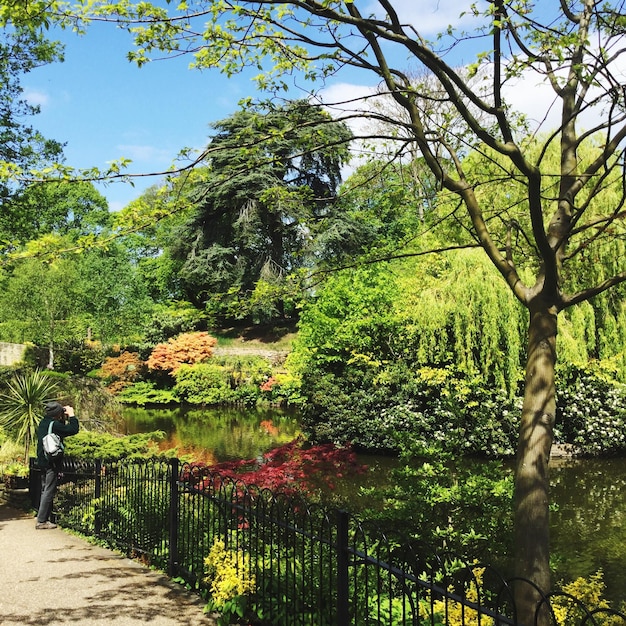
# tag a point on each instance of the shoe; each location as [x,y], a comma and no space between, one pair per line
[45,525]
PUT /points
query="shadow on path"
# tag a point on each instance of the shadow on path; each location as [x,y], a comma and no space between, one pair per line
[52,577]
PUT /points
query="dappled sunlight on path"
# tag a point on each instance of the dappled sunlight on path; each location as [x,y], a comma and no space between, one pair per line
[52,577]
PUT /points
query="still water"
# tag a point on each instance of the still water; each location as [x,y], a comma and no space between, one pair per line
[588,518]
[589,521]
[215,435]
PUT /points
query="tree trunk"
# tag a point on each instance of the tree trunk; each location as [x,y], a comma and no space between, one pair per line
[532,532]
[50,365]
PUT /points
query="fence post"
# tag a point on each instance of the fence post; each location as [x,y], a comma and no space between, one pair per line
[342,568]
[97,494]
[172,561]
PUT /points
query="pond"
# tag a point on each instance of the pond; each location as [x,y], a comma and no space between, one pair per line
[588,518]
[588,521]
[215,435]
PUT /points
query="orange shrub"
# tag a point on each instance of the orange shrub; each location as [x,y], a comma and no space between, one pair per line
[120,371]
[187,348]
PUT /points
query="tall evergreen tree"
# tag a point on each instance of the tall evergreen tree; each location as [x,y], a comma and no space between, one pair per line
[272,179]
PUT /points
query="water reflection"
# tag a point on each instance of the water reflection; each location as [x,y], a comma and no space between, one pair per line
[589,521]
[214,435]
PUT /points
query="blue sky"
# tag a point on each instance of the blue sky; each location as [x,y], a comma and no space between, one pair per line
[103,107]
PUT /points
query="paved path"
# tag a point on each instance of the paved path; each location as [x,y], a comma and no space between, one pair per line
[53,577]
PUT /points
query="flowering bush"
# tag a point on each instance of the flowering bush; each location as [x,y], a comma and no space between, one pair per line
[228,574]
[591,412]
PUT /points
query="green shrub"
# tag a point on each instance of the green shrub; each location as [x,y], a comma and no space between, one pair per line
[591,411]
[145,392]
[242,370]
[380,408]
[203,383]
[89,445]
[79,357]
[224,380]
[282,388]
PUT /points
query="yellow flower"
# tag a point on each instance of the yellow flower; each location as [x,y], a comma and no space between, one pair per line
[228,573]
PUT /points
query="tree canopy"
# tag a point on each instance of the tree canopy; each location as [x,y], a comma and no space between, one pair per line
[22,48]
[272,178]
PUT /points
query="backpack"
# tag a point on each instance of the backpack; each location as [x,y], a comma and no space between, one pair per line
[52,444]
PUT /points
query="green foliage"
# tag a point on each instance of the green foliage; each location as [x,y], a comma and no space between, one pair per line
[394,349]
[422,407]
[66,208]
[224,380]
[591,410]
[60,301]
[10,452]
[272,181]
[111,301]
[204,383]
[443,505]
[79,357]
[38,302]
[21,406]
[146,392]
[172,320]
[22,49]
[282,388]
[91,445]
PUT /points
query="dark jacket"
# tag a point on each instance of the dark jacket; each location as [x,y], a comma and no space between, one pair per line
[62,429]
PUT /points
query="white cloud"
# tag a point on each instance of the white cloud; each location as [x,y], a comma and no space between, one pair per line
[345,98]
[430,17]
[35,97]
[145,153]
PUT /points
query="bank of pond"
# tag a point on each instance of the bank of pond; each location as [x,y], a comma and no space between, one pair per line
[588,515]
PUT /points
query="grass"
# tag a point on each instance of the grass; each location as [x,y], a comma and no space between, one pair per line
[263,338]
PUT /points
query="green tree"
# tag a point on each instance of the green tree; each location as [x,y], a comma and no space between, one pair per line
[22,48]
[64,208]
[272,177]
[380,211]
[54,299]
[38,301]
[574,47]
[150,225]
[111,294]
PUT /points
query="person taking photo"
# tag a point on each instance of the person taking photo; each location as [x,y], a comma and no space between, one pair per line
[64,424]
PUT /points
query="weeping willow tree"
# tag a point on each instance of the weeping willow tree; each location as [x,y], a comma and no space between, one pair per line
[454,312]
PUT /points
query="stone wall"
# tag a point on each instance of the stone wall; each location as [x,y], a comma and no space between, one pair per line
[11,353]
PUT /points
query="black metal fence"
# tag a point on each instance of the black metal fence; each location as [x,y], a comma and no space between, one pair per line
[296,563]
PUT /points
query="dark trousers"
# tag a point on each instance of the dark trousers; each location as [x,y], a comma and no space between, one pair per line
[49,481]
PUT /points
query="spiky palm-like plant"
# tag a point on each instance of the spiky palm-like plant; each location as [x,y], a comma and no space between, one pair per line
[21,405]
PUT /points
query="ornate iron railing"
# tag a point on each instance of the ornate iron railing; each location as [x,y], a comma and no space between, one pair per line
[309,565]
